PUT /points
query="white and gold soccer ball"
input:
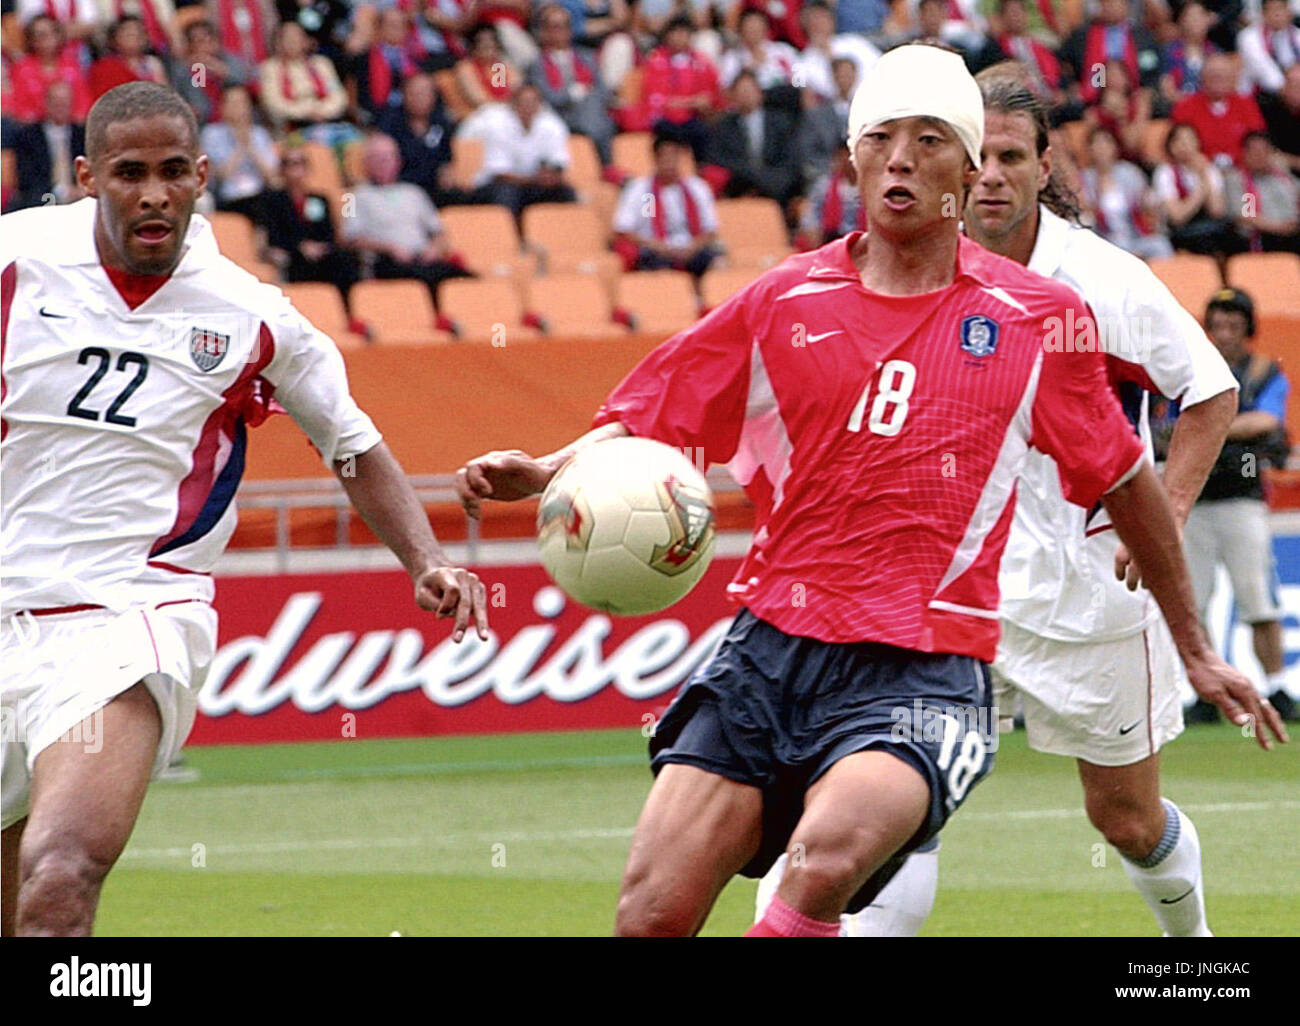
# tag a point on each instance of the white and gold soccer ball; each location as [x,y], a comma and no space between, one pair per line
[626,526]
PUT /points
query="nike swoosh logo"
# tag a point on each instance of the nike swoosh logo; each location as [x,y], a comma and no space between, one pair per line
[824,334]
[1125,730]
[62,317]
[1175,901]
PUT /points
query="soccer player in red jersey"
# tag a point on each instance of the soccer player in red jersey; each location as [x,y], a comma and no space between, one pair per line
[876,398]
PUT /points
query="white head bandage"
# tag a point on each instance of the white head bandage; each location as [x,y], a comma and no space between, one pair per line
[920,81]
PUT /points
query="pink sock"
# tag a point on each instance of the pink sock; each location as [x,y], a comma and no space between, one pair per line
[780,920]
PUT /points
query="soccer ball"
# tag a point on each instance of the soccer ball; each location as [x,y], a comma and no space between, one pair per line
[626,526]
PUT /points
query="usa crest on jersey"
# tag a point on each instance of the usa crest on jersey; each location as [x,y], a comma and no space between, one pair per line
[208,348]
[979,335]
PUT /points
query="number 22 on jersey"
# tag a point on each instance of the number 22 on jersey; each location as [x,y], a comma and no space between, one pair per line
[889,408]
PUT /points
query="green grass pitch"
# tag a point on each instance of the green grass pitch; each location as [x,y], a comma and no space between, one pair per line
[527,835]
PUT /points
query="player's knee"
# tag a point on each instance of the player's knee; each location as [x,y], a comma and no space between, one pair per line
[828,871]
[1126,828]
[643,913]
[60,887]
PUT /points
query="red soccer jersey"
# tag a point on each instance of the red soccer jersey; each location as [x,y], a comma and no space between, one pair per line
[880,436]
[1221,125]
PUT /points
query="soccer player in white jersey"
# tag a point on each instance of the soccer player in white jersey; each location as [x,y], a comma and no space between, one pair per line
[133,355]
[1088,654]
[837,387]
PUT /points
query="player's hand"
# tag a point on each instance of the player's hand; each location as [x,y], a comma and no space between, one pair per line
[1217,682]
[451,591]
[505,475]
[1126,568]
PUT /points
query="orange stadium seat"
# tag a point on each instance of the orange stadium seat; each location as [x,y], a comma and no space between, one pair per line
[570,238]
[584,164]
[753,231]
[321,304]
[466,159]
[1271,279]
[720,285]
[485,309]
[398,311]
[1192,279]
[235,237]
[603,200]
[633,153]
[485,236]
[573,305]
[661,301]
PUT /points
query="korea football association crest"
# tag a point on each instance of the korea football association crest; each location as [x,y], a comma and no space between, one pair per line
[979,335]
[208,348]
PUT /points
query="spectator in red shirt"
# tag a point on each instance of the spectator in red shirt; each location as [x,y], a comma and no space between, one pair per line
[784,18]
[1220,115]
[126,60]
[680,86]
[47,61]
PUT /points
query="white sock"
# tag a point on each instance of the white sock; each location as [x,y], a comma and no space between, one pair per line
[1169,879]
[903,905]
[900,909]
[768,885]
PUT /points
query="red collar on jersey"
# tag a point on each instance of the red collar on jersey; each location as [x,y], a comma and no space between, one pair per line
[835,260]
[135,288]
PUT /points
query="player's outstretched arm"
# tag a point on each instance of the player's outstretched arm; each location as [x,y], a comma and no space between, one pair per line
[381,493]
[1141,513]
[510,474]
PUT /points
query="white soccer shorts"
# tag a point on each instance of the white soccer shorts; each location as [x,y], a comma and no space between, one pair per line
[59,669]
[1112,703]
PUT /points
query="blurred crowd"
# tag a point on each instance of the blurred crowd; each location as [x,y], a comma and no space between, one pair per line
[1178,122]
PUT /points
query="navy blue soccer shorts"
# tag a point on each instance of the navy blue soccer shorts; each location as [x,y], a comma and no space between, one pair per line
[776,711]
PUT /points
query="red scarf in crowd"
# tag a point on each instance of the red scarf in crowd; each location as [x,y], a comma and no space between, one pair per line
[555,77]
[1182,190]
[248,41]
[153,25]
[64,17]
[1094,54]
[286,84]
[381,74]
[1135,212]
[660,223]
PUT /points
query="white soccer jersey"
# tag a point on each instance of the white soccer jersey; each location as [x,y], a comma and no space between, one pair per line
[124,430]
[1058,573]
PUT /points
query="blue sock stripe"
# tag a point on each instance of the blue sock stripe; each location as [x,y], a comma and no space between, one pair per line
[1168,840]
